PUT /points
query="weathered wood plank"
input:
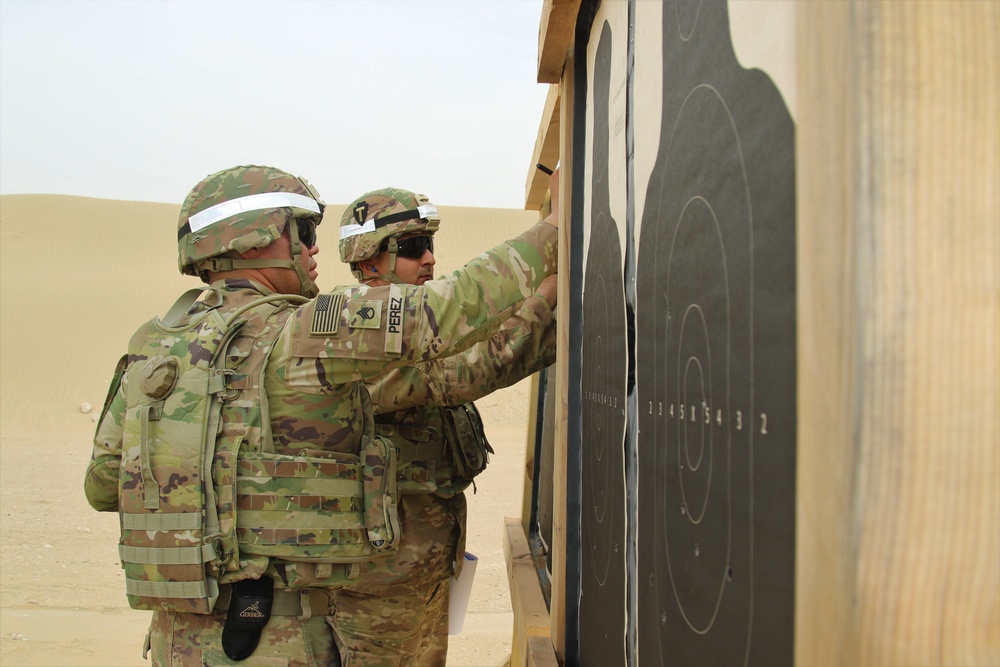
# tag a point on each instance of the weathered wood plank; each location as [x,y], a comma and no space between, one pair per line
[546,152]
[531,617]
[898,526]
[555,33]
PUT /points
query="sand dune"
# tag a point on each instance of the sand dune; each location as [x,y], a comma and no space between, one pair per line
[77,276]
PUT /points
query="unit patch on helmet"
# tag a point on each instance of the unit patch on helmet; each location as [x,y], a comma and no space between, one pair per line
[326,316]
[364,314]
[361,212]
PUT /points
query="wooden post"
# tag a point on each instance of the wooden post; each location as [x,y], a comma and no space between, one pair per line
[557,607]
[555,34]
[898,162]
[529,456]
[546,152]
[531,617]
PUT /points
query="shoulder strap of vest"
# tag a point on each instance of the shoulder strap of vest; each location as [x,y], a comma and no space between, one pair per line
[368,428]
[181,306]
[188,299]
[270,298]
[230,326]
[262,402]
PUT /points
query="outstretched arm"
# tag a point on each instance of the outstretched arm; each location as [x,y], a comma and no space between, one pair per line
[524,344]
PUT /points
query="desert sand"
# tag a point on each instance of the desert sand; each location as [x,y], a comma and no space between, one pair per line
[77,276]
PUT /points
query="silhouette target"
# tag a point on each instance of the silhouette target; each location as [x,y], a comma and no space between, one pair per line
[715,345]
[603,379]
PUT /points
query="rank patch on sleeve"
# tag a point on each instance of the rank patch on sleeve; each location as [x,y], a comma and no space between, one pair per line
[364,314]
[326,316]
[394,326]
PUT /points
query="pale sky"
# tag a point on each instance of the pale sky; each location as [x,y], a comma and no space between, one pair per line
[140,99]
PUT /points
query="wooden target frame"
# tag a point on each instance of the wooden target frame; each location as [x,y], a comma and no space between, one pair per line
[768,310]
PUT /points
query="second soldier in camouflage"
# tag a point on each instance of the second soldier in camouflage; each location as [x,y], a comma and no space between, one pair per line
[396,613]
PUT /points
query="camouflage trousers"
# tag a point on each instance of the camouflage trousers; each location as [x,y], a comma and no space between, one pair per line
[195,640]
[397,613]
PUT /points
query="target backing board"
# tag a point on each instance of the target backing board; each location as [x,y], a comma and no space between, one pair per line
[715,346]
[603,499]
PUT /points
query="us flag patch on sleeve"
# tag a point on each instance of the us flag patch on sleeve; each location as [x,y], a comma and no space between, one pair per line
[364,314]
[326,316]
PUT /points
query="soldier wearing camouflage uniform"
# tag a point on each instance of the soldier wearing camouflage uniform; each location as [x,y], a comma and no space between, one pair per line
[293,494]
[397,611]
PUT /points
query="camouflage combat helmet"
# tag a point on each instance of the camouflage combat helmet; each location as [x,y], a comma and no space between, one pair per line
[374,221]
[242,208]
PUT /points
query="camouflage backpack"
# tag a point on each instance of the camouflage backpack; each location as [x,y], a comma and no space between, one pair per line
[201,492]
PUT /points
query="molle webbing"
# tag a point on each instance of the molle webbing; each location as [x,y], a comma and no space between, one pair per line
[306,508]
[166,525]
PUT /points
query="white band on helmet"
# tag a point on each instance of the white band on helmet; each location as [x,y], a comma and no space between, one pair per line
[353,230]
[423,212]
[228,209]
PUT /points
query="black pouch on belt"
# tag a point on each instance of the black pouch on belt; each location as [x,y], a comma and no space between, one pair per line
[249,611]
[470,450]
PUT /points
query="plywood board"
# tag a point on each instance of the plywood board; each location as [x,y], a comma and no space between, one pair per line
[899,380]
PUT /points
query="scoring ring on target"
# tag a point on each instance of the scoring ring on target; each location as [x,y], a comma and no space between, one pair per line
[697,540]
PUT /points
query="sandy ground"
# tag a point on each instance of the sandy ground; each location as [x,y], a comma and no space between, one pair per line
[76,277]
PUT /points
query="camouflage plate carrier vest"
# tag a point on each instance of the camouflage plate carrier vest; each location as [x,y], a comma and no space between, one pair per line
[200,486]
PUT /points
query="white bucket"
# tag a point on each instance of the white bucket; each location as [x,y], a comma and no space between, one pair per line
[460,590]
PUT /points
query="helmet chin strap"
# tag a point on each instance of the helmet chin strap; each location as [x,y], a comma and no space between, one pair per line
[390,275]
[307,287]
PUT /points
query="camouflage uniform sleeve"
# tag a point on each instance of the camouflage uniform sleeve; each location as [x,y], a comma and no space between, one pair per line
[356,332]
[525,344]
[101,481]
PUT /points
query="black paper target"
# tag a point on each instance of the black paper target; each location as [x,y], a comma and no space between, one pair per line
[715,372]
[603,379]
[700,321]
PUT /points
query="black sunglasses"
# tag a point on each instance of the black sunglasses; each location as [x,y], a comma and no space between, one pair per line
[307,231]
[413,247]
